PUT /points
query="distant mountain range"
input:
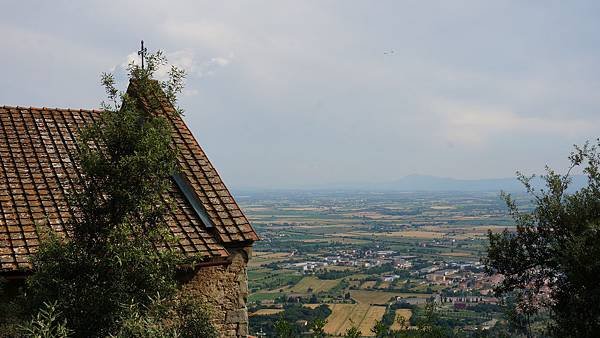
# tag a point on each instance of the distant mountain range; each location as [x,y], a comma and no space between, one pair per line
[434,183]
[424,183]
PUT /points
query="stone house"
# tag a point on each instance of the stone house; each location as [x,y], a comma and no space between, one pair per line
[38,168]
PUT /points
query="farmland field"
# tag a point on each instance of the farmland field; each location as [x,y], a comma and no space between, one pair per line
[401,313]
[315,284]
[415,234]
[344,316]
[368,284]
[456,254]
[262,258]
[382,297]
[358,251]
[263,312]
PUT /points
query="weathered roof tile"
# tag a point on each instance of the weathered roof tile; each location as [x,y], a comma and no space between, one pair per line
[38,167]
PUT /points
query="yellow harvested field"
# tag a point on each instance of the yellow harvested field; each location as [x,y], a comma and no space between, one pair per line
[264,312]
[374,314]
[261,258]
[312,306]
[401,313]
[314,283]
[344,316]
[382,297]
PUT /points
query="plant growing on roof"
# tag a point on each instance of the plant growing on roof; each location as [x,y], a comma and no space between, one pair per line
[104,278]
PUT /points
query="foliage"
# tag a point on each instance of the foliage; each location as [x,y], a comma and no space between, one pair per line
[353,332]
[486,308]
[377,270]
[318,328]
[517,322]
[100,280]
[139,325]
[163,318]
[90,290]
[192,319]
[380,329]
[334,274]
[46,324]
[427,326]
[291,315]
[283,328]
[551,260]
[12,312]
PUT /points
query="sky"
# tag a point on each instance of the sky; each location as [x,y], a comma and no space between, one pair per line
[305,93]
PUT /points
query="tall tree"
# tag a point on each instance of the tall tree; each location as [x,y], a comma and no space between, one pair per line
[551,260]
[115,271]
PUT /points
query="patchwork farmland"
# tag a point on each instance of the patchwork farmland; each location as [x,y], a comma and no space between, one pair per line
[354,259]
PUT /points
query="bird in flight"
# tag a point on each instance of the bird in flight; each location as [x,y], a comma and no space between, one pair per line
[388,52]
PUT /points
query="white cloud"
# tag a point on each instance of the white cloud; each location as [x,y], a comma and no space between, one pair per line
[475,125]
[220,61]
[185,59]
[132,58]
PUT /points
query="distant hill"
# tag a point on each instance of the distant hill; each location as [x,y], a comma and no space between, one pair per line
[434,183]
[424,183]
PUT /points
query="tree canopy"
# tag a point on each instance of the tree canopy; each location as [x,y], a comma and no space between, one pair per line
[551,260]
[115,275]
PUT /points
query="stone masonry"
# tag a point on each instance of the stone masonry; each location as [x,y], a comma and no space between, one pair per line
[224,289]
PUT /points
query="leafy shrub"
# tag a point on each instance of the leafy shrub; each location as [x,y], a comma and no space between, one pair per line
[46,324]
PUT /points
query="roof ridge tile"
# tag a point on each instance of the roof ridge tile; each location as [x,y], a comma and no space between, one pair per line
[58,109]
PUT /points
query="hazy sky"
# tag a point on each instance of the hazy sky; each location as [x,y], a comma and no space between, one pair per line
[284,93]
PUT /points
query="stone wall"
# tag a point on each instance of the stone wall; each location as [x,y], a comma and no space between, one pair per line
[224,288]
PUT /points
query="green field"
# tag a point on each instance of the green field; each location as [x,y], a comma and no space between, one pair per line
[313,284]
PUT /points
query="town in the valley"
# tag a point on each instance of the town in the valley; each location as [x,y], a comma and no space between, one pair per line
[359,258]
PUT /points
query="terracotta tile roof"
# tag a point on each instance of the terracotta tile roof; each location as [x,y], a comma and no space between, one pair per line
[38,168]
[230,222]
